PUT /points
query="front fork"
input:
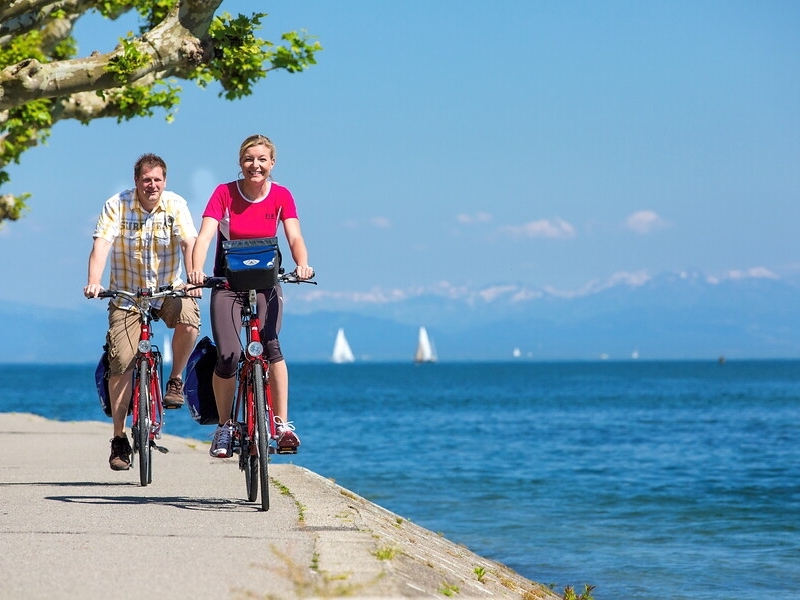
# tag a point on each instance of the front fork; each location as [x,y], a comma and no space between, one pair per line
[245,405]
[156,409]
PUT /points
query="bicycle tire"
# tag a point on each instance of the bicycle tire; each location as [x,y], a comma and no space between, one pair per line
[143,425]
[250,463]
[262,431]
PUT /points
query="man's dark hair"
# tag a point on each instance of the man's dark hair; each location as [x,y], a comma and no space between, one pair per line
[149,161]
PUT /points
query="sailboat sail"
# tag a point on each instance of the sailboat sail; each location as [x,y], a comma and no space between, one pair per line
[341,349]
[425,351]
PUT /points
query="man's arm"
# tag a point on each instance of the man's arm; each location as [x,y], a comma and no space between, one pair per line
[187,247]
[97,263]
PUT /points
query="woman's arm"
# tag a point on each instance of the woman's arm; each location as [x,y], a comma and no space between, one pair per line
[208,229]
[297,246]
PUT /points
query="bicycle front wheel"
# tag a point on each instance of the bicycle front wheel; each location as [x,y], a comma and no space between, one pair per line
[143,424]
[250,468]
[262,431]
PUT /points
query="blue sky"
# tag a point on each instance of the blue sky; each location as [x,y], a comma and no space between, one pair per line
[457,145]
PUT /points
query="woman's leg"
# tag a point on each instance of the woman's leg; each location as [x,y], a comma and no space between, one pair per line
[226,325]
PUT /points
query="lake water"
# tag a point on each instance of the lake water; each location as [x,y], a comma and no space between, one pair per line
[645,479]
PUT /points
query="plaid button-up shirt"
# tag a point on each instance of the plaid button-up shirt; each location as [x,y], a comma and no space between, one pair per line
[145,247]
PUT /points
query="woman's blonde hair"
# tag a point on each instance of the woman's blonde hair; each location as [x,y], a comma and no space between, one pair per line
[256,140]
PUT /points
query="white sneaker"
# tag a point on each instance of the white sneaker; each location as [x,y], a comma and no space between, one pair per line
[285,436]
[222,444]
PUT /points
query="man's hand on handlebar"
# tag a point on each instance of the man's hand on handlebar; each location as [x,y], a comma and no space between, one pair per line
[92,290]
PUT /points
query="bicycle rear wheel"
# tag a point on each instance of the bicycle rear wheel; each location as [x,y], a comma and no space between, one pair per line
[262,431]
[142,434]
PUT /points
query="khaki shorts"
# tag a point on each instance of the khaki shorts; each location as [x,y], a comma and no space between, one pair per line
[124,326]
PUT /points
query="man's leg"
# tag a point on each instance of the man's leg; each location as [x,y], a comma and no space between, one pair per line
[183,315]
[122,332]
[119,388]
[183,341]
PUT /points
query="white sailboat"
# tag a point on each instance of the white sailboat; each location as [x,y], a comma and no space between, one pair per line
[341,349]
[425,350]
[166,351]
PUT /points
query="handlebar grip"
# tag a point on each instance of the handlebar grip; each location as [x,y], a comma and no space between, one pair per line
[209,282]
[293,278]
[107,294]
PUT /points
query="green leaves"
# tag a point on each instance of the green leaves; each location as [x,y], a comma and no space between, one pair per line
[22,47]
[126,64]
[45,88]
[142,100]
[26,126]
[298,53]
[241,58]
[152,11]
[12,207]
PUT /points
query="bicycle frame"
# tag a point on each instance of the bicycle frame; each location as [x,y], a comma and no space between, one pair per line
[146,408]
[148,360]
[252,411]
[253,393]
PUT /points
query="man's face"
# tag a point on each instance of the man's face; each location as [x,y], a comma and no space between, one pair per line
[150,184]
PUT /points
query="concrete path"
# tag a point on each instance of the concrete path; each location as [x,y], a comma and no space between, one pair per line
[70,527]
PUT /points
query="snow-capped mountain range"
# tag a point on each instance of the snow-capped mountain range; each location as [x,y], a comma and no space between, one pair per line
[683,315]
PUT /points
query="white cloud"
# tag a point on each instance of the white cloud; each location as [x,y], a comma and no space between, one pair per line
[479,217]
[645,221]
[381,222]
[543,228]
[752,273]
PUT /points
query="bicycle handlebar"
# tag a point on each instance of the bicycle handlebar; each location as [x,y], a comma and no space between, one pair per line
[222,282]
[162,292]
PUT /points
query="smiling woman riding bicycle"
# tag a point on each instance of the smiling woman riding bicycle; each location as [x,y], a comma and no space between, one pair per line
[251,207]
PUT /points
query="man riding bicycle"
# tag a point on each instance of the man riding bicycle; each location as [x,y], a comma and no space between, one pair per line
[145,230]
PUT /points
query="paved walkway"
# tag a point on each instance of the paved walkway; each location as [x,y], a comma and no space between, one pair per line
[70,527]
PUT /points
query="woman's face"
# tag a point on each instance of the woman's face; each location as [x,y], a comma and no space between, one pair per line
[256,163]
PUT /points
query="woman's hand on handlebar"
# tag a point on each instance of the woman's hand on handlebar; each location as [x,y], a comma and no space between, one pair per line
[196,277]
[304,272]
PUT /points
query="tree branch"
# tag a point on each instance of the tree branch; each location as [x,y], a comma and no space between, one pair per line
[173,47]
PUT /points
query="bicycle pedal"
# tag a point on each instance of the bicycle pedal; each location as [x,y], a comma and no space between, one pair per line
[161,449]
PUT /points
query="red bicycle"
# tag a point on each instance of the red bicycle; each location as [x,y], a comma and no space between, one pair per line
[252,412]
[146,409]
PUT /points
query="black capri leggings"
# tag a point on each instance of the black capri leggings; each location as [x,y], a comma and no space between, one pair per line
[226,326]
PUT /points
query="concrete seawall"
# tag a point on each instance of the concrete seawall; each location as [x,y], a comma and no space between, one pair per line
[71,527]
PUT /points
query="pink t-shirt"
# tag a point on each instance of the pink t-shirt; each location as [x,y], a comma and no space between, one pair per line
[239,218]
